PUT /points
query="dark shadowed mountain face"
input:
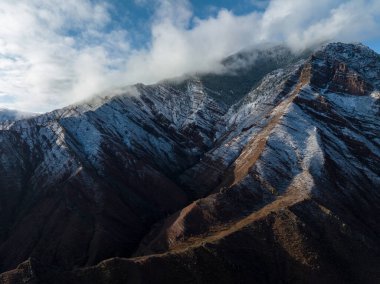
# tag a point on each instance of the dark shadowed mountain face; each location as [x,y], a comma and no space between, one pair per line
[270,174]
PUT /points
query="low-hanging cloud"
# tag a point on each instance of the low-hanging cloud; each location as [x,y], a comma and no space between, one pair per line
[53,53]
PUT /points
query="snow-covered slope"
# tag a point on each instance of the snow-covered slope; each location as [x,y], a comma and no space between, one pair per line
[113,160]
[288,165]
[303,149]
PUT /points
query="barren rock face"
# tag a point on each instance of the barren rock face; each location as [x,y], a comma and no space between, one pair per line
[347,81]
[178,186]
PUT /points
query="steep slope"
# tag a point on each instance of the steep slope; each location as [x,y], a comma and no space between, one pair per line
[329,157]
[286,181]
[85,183]
[317,150]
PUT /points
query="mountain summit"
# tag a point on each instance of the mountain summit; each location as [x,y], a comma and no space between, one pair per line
[267,174]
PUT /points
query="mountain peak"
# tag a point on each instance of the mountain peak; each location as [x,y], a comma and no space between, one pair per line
[339,46]
[349,51]
[359,58]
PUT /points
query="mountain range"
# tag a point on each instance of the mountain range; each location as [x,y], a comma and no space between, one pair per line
[268,172]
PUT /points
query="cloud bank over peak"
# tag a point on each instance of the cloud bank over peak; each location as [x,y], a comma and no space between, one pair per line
[53,53]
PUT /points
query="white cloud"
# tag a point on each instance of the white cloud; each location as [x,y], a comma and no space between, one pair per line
[42,64]
[53,53]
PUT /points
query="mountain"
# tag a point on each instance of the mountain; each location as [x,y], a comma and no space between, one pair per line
[273,178]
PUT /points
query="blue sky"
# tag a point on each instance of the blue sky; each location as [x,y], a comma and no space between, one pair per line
[136,16]
[373,44]
[54,53]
